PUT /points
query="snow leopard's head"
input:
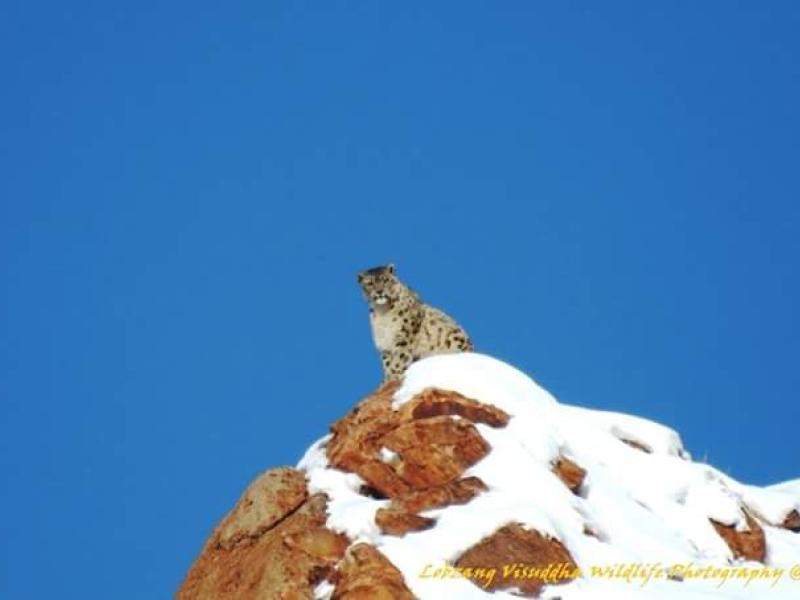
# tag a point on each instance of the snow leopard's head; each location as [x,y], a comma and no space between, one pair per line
[380,286]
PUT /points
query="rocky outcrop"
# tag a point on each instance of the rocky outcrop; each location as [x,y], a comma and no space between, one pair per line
[366,574]
[424,445]
[570,473]
[434,402]
[749,544]
[792,522]
[396,521]
[400,516]
[520,558]
[434,451]
[459,491]
[273,495]
[414,456]
[273,544]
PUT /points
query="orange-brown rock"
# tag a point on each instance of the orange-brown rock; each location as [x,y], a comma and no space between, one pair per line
[320,542]
[273,544]
[431,447]
[570,473]
[460,491]
[435,451]
[356,436]
[400,516]
[539,560]
[792,521]
[382,477]
[396,521]
[433,402]
[366,574]
[749,544]
[273,495]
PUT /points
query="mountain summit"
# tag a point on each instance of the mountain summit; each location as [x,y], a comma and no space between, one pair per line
[468,480]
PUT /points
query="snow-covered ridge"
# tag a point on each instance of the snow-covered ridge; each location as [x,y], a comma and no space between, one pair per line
[645,507]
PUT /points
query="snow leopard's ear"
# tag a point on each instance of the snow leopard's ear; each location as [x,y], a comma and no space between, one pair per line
[361,277]
[390,268]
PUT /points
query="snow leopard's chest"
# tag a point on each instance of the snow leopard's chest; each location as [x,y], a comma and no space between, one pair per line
[387,329]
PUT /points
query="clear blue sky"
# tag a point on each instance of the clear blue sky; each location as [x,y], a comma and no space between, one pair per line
[606,196]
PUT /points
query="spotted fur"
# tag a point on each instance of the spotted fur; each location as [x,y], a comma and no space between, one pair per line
[404,328]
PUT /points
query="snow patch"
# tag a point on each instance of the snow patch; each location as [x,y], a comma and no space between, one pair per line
[388,455]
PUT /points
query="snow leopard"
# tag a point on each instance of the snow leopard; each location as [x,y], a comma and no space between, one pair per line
[404,328]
